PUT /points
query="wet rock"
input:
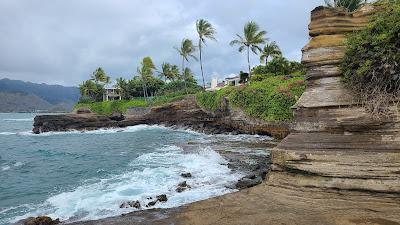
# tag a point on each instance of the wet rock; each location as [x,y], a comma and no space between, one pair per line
[159,198]
[83,111]
[41,220]
[162,198]
[116,116]
[135,204]
[186,175]
[130,204]
[247,182]
[182,187]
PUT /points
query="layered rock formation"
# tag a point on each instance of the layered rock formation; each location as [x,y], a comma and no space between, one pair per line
[184,113]
[334,143]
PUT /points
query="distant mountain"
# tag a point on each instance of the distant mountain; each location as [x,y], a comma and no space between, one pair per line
[17,96]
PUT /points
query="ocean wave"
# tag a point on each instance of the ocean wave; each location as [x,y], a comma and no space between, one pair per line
[102,198]
[130,129]
[19,120]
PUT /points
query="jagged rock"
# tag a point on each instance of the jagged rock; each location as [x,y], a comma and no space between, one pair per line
[162,198]
[248,182]
[182,187]
[159,198]
[131,204]
[186,175]
[182,113]
[41,220]
[83,111]
[116,116]
[135,204]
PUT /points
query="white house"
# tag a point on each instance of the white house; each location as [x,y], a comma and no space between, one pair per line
[232,81]
[111,94]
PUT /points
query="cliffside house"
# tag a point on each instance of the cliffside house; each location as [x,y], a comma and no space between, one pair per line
[232,81]
[111,94]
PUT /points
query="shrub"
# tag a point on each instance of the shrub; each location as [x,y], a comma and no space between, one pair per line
[109,107]
[271,99]
[371,66]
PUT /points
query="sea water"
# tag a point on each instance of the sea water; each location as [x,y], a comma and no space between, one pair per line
[86,175]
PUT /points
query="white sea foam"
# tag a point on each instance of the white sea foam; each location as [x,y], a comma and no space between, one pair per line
[130,129]
[150,175]
[6,167]
[19,120]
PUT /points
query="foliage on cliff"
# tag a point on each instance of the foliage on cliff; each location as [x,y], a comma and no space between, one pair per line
[371,65]
[107,108]
[270,99]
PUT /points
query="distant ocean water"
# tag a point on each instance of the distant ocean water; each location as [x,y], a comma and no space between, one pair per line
[87,175]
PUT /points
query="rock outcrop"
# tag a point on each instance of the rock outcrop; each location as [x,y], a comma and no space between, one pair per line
[334,143]
[183,113]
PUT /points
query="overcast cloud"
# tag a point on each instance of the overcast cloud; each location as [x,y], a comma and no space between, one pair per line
[64,41]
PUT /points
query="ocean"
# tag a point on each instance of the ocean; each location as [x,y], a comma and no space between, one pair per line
[78,175]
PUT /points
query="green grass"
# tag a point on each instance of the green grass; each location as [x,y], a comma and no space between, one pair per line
[270,99]
[107,108]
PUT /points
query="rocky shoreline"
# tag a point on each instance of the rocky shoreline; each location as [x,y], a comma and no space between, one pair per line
[253,167]
[183,114]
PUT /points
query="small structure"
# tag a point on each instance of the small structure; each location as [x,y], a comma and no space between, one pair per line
[215,86]
[232,81]
[111,94]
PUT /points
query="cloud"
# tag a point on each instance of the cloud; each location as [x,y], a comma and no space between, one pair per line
[65,41]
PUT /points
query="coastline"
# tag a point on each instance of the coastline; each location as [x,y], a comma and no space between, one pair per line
[183,113]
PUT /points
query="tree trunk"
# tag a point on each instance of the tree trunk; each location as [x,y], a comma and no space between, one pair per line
[266,60]
[201,65]
[183,74]
[248,61]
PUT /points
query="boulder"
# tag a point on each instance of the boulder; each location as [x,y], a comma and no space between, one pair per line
[182,187]
[159,198]
[116,116]
[186,175]
[162,198]
[41,220]
[248,182]
[131,204]
[83,110]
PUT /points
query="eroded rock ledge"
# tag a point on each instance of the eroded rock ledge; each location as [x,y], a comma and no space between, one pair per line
[183,113]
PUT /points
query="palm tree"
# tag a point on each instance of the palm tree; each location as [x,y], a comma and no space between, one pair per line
[349,5]
[99,76]
[251,40]
[205,31]
[270,49]
[186,50]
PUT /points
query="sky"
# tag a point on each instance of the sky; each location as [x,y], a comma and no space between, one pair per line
[64,41]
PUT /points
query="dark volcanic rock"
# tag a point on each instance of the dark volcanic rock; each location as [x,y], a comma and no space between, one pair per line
[248,182]
[162,198]
[186,175]
[182,187]
[117,116]
[131,204]
[40,220]
[183,113]
[159,198]
[83,111]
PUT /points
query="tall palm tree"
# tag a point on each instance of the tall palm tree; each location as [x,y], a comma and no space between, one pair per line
[187,51]
[270,50]
[251,40]
[99,76]
[349,5]
[205,31]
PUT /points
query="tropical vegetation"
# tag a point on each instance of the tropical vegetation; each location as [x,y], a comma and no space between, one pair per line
[274,87]
[205,31]
[348,5]
[252,38]
[371,65]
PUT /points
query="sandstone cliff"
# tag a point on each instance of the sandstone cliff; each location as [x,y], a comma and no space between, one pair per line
[334,143]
